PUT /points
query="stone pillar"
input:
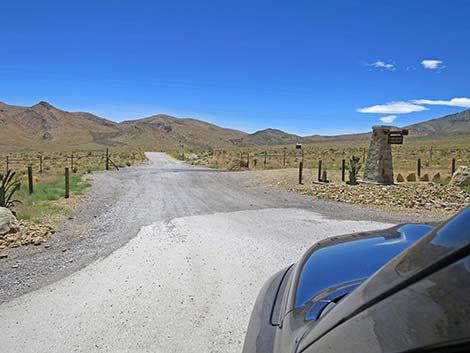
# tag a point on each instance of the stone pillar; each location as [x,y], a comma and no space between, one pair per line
[379,167]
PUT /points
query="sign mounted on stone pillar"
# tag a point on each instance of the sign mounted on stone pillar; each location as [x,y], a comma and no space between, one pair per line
[396,137]
[379,165]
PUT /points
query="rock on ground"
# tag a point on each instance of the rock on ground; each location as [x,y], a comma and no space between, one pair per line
[8,222]
[461,176]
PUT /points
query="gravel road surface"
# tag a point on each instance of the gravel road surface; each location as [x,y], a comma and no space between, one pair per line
[162,258]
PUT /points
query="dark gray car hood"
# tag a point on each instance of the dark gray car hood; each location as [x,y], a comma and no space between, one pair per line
[336,266]
[452,237]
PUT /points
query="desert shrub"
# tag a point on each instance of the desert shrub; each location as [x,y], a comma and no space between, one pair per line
[9,185]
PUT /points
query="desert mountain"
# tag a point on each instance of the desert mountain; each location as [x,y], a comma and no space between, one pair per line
[454,124]
[165,132]
[269,137]
[43,126]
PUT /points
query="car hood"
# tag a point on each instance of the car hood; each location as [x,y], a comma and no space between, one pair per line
[448,242]
[335,266]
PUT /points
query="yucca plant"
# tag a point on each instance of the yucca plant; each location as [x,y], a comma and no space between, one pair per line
[354,166]
[9,185]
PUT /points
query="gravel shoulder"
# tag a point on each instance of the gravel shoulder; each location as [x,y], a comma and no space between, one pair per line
[163,257]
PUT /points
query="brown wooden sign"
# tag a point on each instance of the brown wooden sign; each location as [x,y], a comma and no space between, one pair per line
[396,137]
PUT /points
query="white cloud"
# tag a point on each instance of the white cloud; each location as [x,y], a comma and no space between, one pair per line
[383,65]
[454,102]
[393,108]
[432,64]
[388,119]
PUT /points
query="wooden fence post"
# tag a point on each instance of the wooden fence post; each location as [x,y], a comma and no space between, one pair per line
[319,170]
[67,183]
[30,179]
[248,160]
[40,165]
[453,166]
[419,167]
[343,170]
[284,159]
[71,162]
[107,158]
[8,165]
[265,155]
[301,165]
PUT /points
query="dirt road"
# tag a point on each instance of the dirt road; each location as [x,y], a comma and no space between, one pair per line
[171,262]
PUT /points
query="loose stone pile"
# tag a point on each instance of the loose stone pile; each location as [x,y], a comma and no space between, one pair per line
[416,196]
[28,233]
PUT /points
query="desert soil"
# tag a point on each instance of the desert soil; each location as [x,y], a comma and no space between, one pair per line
[163,257]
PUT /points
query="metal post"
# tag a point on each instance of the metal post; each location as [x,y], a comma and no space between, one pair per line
[265,155]
[107,158]
[343,170]
[419,167]
[453,166]
[301,165]
[284,159]
[67,183]
[40,165]
[248,160]
[319,170]
[30,179]
[71,162]
[8,165]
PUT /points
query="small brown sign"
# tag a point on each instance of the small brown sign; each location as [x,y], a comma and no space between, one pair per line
[396,137]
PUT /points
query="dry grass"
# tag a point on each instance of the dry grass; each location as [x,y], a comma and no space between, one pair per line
[436,156]
[54,162]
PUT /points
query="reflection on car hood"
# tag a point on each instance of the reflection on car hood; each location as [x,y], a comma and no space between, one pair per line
[337,266]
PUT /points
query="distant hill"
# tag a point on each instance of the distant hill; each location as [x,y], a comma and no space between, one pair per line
[43,126]
[458,123]
[164,132]
[269,137]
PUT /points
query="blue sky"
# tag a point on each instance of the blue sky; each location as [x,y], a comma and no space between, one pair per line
[307,67]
